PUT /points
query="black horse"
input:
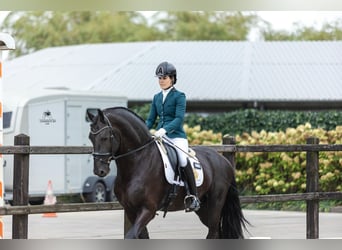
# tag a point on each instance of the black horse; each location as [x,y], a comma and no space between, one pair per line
[141,188]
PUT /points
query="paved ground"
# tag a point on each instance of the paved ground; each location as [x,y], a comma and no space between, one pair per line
[176,225]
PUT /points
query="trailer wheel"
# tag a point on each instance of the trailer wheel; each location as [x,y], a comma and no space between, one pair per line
[111,195]
[98,193]
[36,201]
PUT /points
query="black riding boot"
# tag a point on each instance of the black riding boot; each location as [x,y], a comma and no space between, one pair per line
[191,201]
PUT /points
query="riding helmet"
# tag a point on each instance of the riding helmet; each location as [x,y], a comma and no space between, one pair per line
[167,69]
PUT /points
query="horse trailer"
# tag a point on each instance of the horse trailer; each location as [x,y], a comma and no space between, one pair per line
[57,118]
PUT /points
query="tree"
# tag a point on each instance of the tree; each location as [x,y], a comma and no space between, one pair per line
[199,25]
[38,30]
[328,32]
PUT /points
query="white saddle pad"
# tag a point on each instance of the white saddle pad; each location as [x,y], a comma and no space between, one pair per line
[169,173]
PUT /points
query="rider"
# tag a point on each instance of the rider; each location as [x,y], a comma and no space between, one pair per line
[169,105]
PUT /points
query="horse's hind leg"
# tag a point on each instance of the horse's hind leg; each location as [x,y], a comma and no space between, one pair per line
[139,229]
[214,225]
[210,215]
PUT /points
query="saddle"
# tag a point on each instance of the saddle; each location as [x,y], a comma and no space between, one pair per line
[172,166]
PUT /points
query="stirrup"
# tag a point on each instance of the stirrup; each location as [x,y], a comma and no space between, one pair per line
[193,205]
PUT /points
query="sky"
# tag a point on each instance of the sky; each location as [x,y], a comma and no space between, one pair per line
[3,14]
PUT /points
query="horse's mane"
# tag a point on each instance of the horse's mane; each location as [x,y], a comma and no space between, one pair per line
[113,109]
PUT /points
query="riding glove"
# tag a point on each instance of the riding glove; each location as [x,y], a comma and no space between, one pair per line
[160,133]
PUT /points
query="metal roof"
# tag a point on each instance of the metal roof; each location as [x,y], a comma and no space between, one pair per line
[206,70]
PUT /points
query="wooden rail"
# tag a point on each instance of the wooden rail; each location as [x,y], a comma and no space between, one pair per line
[22,151]
[41,150]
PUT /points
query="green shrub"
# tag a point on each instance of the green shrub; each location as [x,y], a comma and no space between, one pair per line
[248,120]
[284,172]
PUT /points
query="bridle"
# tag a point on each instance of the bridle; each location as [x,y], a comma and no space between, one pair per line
[111,155]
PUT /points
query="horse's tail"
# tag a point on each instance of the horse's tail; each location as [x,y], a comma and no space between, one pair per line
[232,218]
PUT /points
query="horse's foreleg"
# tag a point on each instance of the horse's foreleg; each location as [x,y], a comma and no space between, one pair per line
[144,234]
[139,227]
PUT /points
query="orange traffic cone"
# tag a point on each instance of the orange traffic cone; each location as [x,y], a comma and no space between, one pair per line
[50,199]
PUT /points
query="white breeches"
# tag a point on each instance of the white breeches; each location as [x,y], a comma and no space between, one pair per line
[184,145]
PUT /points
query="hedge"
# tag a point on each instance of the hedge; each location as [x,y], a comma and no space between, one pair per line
[248,120]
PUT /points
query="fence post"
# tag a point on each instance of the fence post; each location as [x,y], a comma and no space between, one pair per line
[20,187]
[229,140]
[312,179]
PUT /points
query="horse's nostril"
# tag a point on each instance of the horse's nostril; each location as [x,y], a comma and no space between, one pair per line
[101,172]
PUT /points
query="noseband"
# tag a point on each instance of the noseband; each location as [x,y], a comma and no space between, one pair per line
[110,155]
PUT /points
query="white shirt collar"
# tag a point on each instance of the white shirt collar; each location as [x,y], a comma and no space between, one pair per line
[165,92]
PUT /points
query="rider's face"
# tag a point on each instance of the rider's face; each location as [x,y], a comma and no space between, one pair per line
[165,82]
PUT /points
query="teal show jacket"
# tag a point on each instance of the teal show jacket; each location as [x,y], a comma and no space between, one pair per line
[171,113]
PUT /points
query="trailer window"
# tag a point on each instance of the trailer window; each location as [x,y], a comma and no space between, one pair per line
[7,119]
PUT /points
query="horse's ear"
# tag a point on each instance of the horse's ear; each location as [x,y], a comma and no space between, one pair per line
[90,116]
[101,115]
[92,113]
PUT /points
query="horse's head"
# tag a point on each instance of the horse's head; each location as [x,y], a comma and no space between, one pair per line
[105,144]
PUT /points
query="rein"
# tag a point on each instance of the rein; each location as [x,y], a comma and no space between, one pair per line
[132,151]
[111,155]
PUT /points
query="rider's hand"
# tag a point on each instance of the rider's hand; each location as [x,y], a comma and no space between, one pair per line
[160,133]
